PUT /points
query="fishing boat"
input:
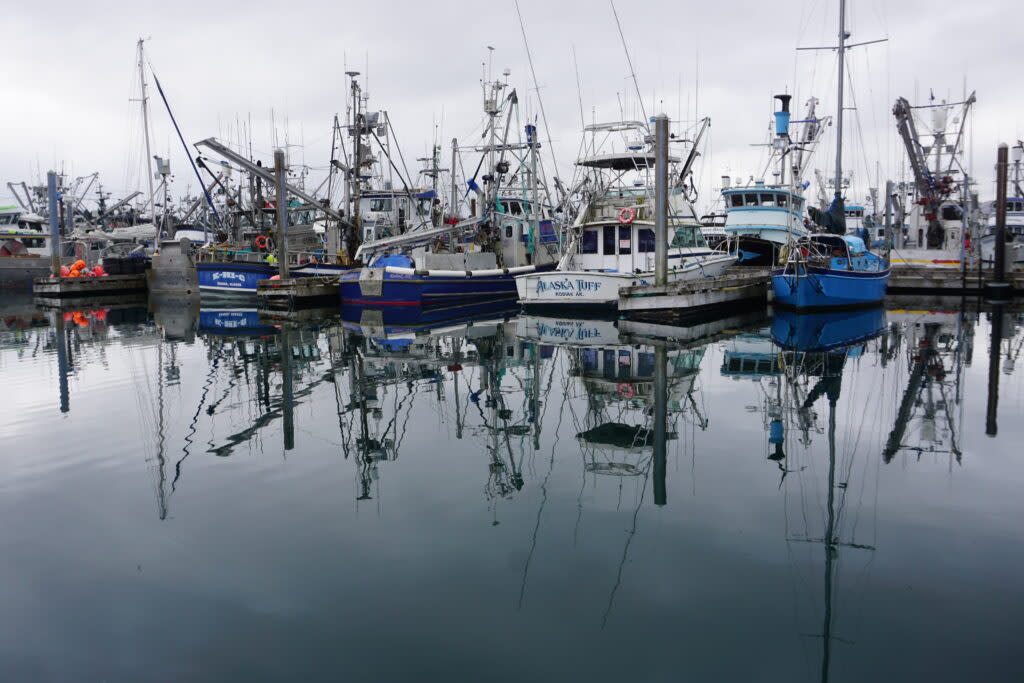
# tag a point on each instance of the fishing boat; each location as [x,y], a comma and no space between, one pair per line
[935,215]
[831,269]
[512,231]
[24,248]
[1014,232]
[763,217]
[613,236]
[1014,217]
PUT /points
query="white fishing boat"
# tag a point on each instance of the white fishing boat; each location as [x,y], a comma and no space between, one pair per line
[613,235]
[933,211]
[1014,232]
[24,248]
[1014,218]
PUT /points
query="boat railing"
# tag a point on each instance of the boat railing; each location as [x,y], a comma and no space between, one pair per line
[234,255]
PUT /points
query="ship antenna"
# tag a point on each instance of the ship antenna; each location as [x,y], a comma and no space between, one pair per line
[632,71]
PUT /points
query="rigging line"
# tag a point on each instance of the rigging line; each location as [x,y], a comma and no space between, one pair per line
[536,87]
[625,549]
[193,424]
[540,511]
[191,161]
[632,71]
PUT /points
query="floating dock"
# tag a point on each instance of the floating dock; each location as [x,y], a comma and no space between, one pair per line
[299,292]
[947,280]
[61,287]
[740,287]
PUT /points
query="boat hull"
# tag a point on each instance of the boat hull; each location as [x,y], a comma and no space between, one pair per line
[572,289]
[232,278]
[382,287]
[18,272]
[756,251]
[824,288]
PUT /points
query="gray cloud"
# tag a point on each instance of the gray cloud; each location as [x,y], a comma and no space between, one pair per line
[68,74]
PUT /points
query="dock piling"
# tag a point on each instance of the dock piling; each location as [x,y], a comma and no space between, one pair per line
[661,200]
[282,213]
[51,188]
[999,267]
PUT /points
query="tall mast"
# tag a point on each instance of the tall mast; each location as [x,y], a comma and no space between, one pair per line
[145,127]
[839,102]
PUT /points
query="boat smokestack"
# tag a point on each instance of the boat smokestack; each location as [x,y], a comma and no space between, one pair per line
[782,116]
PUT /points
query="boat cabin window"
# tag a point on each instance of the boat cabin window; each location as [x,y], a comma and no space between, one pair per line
[688,236]
[951,213]
[782,200]
[7,220]
[380,204]
[609,363]
[768,200]
[608,240]
[644,240]
[625,239]
[736,200]
[33,242]
[750,199]
[588,243]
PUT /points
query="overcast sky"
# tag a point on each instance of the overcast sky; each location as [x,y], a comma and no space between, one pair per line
[69,72]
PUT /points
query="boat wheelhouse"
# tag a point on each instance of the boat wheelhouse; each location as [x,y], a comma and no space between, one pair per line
[1014,232]
[389,213]
[24,248]
[761,218]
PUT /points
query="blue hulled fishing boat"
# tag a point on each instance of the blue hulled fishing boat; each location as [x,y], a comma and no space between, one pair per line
[513,230]
[831,269]
[826,271]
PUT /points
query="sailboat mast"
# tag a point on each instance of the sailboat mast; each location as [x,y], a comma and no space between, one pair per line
[145,128]
[839,100]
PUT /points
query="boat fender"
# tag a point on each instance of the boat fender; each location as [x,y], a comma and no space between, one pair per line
[627,216]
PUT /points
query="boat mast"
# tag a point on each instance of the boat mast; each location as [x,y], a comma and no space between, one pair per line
[145,128]
[355,130]
[839,102]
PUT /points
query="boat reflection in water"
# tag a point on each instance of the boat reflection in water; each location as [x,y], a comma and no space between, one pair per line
[816,348]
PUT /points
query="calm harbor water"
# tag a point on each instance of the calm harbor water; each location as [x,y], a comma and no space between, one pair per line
[199,494]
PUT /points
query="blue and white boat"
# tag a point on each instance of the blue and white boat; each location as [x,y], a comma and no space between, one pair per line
[826,271]
[763,217]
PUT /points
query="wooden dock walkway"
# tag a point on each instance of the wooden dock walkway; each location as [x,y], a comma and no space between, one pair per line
[61,287]
[299,292]
[947,280]
[740,287]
